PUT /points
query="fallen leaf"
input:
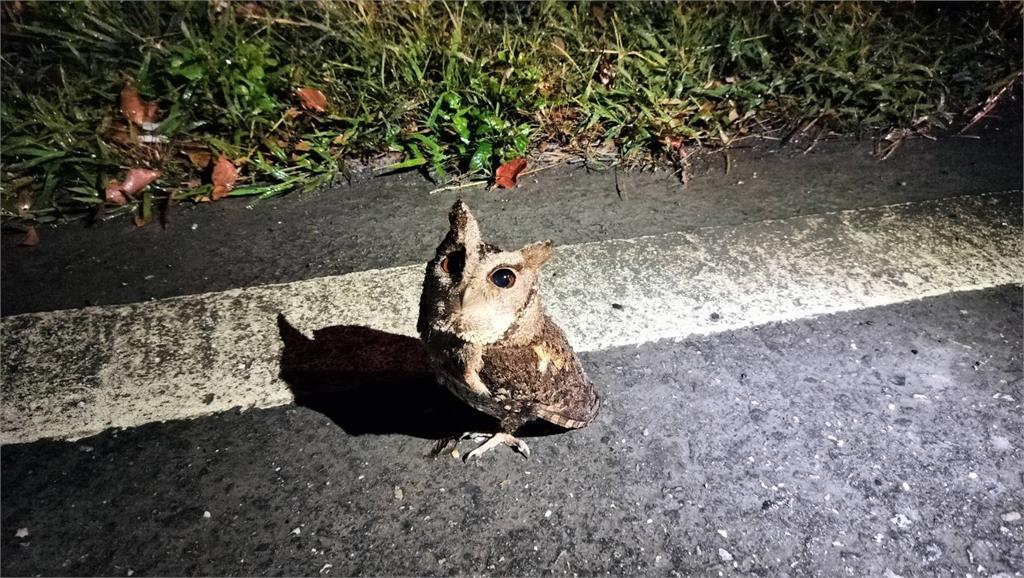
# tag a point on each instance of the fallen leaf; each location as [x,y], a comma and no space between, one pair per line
[24,201]
[506,175]
[114,194]
[292,112]
[605,73]
[224,176]
[250,10]
[339,140]
[139,221]
[136,110]
[200,158]
[138,179]
[303,146]
[673,142]
[31,240]
[312,99]
[194,183]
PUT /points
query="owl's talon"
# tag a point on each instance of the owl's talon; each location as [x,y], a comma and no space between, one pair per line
[476,436]
[497,440]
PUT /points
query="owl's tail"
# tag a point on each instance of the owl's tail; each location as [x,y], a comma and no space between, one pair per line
[576,421]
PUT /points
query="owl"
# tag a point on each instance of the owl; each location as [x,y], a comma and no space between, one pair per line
[490,342]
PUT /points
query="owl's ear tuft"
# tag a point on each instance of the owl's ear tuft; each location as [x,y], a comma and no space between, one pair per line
[464,225]
[536,254]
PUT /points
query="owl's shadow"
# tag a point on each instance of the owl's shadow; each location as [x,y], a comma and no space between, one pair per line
[373,382]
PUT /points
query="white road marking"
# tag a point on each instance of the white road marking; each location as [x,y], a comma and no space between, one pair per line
[70,374]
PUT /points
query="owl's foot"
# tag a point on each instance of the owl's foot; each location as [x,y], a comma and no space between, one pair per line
[495,440]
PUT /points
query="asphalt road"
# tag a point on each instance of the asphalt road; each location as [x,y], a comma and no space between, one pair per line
[879,440]
[814,371]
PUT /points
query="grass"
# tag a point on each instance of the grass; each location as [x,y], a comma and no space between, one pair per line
[456,89]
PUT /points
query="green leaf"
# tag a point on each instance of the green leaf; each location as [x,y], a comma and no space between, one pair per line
[408,164]
[147,206]
[481,159]
[461,126]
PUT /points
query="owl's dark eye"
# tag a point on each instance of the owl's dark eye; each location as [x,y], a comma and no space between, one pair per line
[453,263]
[503,278]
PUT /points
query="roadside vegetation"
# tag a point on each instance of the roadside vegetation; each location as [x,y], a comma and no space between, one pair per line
[112,108]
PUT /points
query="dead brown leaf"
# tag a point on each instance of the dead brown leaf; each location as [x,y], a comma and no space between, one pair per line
[250,10]
[31,238]
[138,179]
[506,175]
[606,73]
[136,110]
[673,143]
[25,199]
[224,176]
[200,158]
[114,194]
[312,99]
[303,146]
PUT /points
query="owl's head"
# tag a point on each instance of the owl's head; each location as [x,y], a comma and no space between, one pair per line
[474,290]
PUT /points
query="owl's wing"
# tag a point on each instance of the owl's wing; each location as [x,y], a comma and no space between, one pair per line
[544,378]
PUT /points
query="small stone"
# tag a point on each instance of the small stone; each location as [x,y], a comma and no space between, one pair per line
[195,226]
[297,531]
[906,487]
[900,521]
[618,306]
[206,515]
[21,533]
[898,379]
[1001,443]
[130,571]
[723,533]
[715,316]
[1010,516]
[399,494]
[972,475]
[724,555]
[547,514]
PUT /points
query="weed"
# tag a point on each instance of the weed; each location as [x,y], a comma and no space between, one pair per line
[456,88]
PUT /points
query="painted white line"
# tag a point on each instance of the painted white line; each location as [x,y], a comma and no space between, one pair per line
[69,374]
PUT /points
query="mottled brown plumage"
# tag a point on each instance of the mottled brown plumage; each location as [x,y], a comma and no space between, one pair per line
[489,340]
